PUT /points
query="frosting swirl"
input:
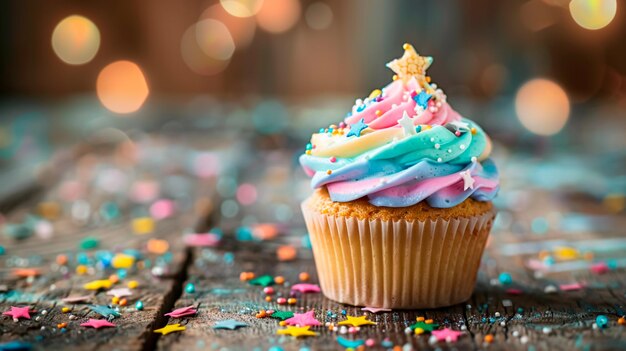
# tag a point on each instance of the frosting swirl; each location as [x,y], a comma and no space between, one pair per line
[402,145]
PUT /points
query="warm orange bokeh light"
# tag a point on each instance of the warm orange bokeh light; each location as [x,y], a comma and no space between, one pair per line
[593,14]
[122,87]
[196,59]
[277,16]
[75,40]
[542,106]
[241,8]
[241,29]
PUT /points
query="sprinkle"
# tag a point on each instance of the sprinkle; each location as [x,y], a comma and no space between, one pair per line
[333,159]
[303,319]
[286,252]
[282,315]
[133,284]
[488,338]
[621,321]
[447,335]
[281,300]
[378,113]
[65,309]
[352,344]
[96,324]
[602,321]
[279,279]
[306,288]
[139,305]
[357,321]
[245,276]
[473,130]
[304,276]
[505,278]
[292,300]
[329,172]
[268,290]
[143,225]
[375,309]
[264,280]
[170,328]
[18,312]
[297,331]
[190,288]
[357,128]
[98,284]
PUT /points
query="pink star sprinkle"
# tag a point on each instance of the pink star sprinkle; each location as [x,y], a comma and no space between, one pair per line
[303,319]
[571,287]
[182,312]
[375,309]
[201,239]
[97,323]
[306,288]
[18,312]
[447,335]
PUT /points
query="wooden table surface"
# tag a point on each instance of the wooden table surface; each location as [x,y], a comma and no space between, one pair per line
[549,306]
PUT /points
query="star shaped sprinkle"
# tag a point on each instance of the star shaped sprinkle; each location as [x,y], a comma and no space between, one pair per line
[229,324]
[303,319]
[411,64]
[18,312]
[357,128]
[98,284]
[447,335]
[97,323]
[407,124]
[306,288]
[353,344]
[76,299]
[264,280]
[120,292]
[422,99]
[425,327]
[296,331]
[468,181]
[356,321]
[375,309]
[105,311]
[282,315]
[170,328]
[182,312]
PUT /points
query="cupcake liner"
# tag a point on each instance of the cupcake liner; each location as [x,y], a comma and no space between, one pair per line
[397,264]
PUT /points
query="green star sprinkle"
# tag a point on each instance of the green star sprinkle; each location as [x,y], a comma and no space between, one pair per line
[282,315]
[424,326]
[264,280]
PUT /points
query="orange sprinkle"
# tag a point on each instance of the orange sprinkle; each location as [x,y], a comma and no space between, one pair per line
[308,152]
[329,172]
[428,321]
[621,321]
[114,278]
[489,338]
[406,46]
[395,77]
[157,246]
[268,298]
[292,301]
[419,319]
[473,130]
[61,325]
[282,323]
[304,276]
[427,79]
[115,300]
[26,272]
[379,113]
[123,302]
[243,276]
[286,253]
[279,279]
[61,260]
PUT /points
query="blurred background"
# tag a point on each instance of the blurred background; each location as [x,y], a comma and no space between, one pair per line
[545,78]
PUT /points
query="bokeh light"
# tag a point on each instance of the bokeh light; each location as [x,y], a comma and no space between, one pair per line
[75,40]
[242,8]
[214,39]
[542,106]
[593,14]
[195,57]
[122,87]
[241,29]
[277,16]
[318,16]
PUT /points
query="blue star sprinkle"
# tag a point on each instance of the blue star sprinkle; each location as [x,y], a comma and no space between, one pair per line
[350,343]
[229,324]
[357,128]
[105,311]
[422,99]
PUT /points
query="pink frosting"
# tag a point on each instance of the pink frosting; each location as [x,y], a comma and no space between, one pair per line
[396,94]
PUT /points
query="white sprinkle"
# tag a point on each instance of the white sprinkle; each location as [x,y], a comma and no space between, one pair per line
[432,140]
[503,324]
[468,306]
[550,289]
[343,329]
[44,312]
[432,340]
[594,326]
[515,333]
[437,146]
[408,331]
[439,159]
[497,314]
[464,327]
[450,151]
[494,282]
[546,330]
[507,303]
[462,147]
[474,159]
[524,339]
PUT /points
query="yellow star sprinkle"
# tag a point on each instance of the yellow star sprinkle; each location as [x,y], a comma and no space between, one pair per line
[170,328]
[411,64]
[356,321]
[98,284]
[296,331]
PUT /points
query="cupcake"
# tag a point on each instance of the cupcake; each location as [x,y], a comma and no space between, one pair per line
[401,210]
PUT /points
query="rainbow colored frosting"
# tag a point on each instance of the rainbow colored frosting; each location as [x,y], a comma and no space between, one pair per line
[402,145]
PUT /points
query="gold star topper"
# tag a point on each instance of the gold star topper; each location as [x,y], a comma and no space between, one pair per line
[411,64]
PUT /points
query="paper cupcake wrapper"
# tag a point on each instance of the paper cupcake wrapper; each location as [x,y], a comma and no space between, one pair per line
[399,264]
